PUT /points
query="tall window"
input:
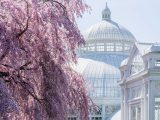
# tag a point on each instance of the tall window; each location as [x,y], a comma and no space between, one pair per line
[109,46]
[118,47]
[91,47]
[135,112]
[126,47]
[100,47]
[157,108]
[135,92]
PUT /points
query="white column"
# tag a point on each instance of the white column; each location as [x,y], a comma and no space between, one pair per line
[144,104]
[122,104]
[125,105]
[151,101]
[145,101]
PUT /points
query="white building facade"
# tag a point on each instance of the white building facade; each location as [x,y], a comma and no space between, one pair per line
[140,83]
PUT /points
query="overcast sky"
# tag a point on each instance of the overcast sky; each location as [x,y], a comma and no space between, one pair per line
[140,17]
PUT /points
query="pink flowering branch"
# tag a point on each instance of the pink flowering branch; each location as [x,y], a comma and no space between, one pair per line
[38,38]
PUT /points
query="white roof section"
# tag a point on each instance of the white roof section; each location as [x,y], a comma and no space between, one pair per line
[145,48]
[108,30]
[101,78]
[95,69]
[117,116]
[154,48]
[124,62]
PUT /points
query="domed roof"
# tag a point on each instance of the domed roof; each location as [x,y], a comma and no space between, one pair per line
[108,30]
[101,77]
[91,67]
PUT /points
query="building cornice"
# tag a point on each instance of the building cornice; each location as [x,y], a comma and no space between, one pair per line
[140,76]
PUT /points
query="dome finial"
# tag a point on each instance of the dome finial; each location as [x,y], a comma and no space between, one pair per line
[106,5]
[106,13]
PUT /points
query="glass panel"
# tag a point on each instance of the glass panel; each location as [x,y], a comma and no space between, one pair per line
[157,87]
[135,92]
[109,46]
[91,47]
[157,108]
[137,64]
[135,112]
[126,47]
[157,63]
[128,94]
[119,47]
[100,48]
[138,113]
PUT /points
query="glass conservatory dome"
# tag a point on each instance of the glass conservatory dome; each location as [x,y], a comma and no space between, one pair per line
[108,36]
[107,45]
[108,30]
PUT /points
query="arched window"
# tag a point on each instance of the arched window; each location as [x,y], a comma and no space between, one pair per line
[137,64]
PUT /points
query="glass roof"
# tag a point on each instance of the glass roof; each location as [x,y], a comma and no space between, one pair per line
[98,69]
[101,72]
[101,77]
[108,30]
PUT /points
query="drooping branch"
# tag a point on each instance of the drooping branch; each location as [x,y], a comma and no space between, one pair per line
[27,23]
[24,30]
[6,49]
[37,42]
[62,6]
[18,79]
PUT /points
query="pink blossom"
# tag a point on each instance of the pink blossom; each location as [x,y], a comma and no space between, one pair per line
[38,39]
